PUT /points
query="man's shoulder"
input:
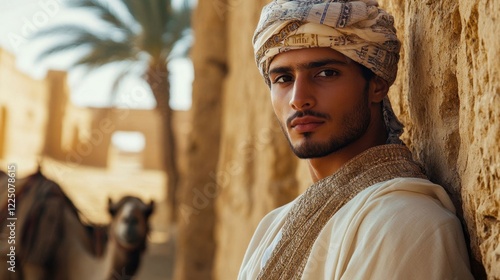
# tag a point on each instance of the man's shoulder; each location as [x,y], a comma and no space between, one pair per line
[399,226]
[274,219]
[409,203]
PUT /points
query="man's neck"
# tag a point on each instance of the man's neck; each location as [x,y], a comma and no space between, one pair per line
[326,166]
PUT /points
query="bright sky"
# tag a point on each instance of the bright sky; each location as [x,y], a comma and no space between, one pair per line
[21,18]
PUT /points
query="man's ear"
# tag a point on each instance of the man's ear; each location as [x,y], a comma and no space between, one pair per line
[378,89]
[112,208]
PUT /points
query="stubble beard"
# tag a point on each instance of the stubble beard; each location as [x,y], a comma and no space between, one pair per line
[355,126]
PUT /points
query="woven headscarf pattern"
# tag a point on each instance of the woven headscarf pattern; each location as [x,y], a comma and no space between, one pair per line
[357,29]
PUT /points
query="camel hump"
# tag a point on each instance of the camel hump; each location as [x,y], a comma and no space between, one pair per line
[43,221]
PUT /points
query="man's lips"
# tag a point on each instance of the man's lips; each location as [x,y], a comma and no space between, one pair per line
[306,124]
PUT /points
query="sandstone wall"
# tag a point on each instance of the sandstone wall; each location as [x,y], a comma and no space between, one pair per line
[87,133]
[447,94]
[24,112]
[195,240]
[37,119]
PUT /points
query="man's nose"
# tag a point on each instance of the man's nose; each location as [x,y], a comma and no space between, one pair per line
[302,95]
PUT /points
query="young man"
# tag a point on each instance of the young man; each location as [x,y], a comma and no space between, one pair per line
[371,212]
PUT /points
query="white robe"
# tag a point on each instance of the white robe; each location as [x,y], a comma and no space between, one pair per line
[404,228]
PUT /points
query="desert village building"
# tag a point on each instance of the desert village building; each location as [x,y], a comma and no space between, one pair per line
[38,119]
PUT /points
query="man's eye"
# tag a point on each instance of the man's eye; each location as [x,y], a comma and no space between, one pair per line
[282,79]
[327,73]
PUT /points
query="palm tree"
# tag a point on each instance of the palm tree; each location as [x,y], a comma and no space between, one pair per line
[143,32]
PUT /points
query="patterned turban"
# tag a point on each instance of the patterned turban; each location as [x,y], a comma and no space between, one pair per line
[357,29]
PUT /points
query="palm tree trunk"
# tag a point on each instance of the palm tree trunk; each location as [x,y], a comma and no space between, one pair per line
[157,78]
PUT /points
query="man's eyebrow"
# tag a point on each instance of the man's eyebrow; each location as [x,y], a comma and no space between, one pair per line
[280,70]
[307,66]
[321,63]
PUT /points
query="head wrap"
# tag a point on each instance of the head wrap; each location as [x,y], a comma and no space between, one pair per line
[357,29]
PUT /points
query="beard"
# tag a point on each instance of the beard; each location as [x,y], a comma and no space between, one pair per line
[354,127]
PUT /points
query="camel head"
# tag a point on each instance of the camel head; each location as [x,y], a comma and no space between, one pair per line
[129,226]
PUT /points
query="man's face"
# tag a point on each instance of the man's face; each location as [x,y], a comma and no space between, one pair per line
[321,100]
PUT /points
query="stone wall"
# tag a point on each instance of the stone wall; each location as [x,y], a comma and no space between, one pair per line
[23,103]
[87,133]
[195,241]
[447,94]
[37,119]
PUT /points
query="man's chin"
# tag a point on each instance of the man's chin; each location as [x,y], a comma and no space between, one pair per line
[309,151]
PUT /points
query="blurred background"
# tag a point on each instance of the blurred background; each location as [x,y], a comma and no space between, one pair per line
[77,83]
[162,100]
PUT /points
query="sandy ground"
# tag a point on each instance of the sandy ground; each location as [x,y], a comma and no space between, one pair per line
[90,187]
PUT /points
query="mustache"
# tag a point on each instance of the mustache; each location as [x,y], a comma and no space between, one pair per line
[311,113]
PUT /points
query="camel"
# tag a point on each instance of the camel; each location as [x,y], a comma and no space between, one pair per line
[51,241]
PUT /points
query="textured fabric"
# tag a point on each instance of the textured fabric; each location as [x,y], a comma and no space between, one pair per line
[321,200]
[357,29]
[404,228]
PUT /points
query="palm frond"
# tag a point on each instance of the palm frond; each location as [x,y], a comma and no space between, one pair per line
[109,51]
[179,54]
[177,26]
[161,27]
[126,70]
[161,24]
[138,10]
[105,12]
[79,40]
[63,29]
